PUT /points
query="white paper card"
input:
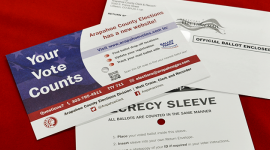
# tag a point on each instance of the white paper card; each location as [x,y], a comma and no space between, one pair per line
[194,120]
[82,76]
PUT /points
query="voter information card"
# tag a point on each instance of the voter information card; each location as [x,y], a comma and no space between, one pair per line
[186,120]
[231,42]
[84,75]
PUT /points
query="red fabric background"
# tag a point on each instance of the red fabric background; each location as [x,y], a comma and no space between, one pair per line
[27,23]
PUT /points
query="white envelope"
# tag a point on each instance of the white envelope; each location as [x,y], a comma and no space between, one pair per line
[190,120]
[233,43]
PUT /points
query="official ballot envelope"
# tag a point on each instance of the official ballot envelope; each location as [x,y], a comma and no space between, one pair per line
[186,120]
[233,43]
[87,74]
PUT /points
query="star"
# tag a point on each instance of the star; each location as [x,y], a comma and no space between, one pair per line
[37,54]
[76,35]
[17,67]
[32,69]
[61,60]
[70,47]
[17,54]
[50,44]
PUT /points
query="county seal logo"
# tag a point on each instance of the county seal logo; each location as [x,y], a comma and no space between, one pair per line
[50,122]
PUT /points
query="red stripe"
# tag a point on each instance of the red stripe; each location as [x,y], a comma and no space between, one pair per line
[104,90]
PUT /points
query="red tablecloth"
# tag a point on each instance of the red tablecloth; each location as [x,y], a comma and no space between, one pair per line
[27,23]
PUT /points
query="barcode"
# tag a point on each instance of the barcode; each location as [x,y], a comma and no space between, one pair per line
[114,75]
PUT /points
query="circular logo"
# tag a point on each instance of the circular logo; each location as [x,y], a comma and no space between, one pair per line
[50,122]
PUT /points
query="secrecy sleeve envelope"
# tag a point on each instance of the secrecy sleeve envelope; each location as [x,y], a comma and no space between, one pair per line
[79,77]
[189,120]
[233,43]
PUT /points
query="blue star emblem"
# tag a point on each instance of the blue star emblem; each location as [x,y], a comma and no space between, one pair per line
[61,60]
[70,47]
[37,54]
[17,67]
[51,44]
[76,35]
[17,54]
